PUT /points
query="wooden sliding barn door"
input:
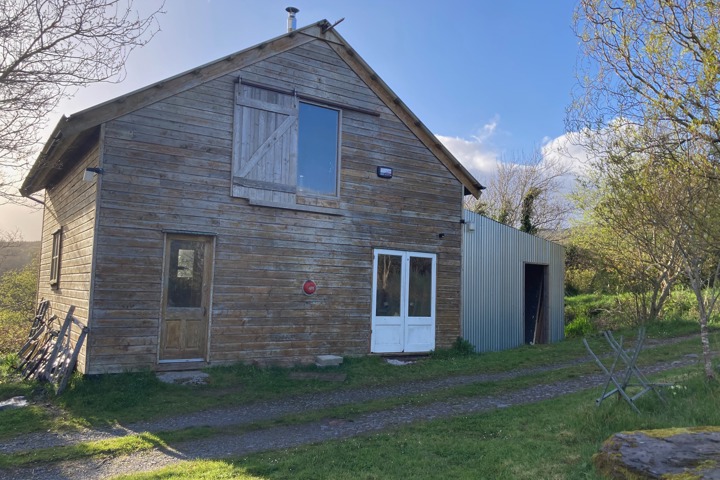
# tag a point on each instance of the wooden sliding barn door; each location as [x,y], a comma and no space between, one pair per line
[186,298]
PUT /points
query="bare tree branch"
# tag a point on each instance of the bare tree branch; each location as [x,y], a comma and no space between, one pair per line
[48,48]
[520,178]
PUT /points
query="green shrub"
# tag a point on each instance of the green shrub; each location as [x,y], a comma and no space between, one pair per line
[15,327]
[601,311]
[579,327]
[460,348]
[9,363]
[681,305]
[17,304]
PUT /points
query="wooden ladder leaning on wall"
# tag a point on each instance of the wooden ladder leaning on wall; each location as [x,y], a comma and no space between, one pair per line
[49,354]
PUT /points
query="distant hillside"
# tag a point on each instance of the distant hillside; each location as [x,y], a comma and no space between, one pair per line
[17,256]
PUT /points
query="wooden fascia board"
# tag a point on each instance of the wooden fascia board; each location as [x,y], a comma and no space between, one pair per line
[44,164]
[50,165]
[393,102]
[69,128]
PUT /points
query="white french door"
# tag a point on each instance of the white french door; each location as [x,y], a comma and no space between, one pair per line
[403,302]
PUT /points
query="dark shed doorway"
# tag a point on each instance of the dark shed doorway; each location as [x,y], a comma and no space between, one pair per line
[536,303]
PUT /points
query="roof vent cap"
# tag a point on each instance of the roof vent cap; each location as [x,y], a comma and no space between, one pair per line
[291,20]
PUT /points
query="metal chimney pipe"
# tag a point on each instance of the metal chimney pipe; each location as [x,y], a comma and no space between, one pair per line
[291,21]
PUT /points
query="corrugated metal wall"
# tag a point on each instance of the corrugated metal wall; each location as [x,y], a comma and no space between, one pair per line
[493,283]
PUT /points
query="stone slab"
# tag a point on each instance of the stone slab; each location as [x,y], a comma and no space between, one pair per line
[328,360]
[692,453]
[190,377]
[14,402]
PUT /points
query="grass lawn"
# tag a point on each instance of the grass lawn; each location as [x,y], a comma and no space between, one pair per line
[549,440]
[124,398]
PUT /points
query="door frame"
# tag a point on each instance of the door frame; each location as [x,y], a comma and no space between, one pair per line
[404,317]
[209,273]
[541,317]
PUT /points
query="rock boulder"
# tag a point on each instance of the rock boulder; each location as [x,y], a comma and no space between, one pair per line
[682,453]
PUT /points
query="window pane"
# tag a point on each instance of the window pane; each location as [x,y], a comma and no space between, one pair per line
[186,260]
[420,295]
[185,278]
[317,149]
[55,258]
[387,302]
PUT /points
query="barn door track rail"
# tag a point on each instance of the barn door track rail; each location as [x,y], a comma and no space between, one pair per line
[623,369]
[52,348]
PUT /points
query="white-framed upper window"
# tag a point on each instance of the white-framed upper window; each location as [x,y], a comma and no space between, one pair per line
[55,258]
[317,157]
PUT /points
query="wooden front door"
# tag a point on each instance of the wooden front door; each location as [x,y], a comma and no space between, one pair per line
[403,317]
[186,298]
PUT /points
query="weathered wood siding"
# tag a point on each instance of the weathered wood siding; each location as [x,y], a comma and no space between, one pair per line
[168,166]
[70,205]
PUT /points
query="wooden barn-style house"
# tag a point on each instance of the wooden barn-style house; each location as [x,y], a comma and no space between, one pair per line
[271,206]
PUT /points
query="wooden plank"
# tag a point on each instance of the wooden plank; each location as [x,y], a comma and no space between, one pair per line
[263,185]
[302,208]
[343,99]
[266,106]
[267,145]
[184,127]
[282,73]
[73,361]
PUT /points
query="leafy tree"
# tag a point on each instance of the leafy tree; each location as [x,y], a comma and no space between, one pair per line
[620,228]
[648,107]
[48,48]
[696,229]
[527,210]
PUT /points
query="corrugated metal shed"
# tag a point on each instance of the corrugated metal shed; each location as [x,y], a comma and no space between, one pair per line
[504,269]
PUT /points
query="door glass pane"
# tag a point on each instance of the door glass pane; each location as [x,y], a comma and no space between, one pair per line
[420,294]
[185,278]
[387,301]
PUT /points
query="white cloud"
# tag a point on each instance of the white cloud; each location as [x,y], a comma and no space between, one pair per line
[487,131]
[566,150]
[474,156]
[477,153]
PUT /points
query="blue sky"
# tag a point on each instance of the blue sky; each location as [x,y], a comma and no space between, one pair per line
[491,78]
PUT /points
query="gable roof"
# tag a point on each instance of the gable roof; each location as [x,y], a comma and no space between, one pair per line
[72,132]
